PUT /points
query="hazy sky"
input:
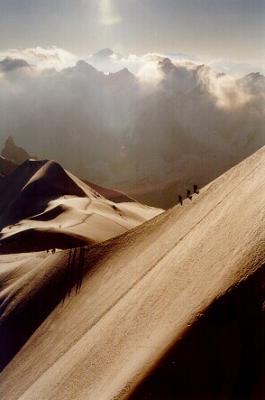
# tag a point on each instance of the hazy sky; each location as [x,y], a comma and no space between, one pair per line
[225,29]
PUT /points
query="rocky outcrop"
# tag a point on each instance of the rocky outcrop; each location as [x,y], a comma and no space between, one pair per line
[13,152]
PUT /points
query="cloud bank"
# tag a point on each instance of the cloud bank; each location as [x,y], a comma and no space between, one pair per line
[158,122]
[42,58]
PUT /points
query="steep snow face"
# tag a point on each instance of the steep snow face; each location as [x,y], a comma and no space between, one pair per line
[140,295]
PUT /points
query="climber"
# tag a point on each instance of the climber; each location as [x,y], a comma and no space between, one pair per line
[180,200]
[195,189]
[189,195]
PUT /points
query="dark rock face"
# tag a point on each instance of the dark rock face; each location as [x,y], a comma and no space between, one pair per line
[13,152]
[6,166]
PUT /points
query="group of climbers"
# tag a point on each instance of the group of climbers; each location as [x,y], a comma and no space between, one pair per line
[189,194]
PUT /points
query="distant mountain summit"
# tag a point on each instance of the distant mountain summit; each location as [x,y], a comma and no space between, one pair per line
[13,152]
[123,77]
[253,82]
[103,54]
[11,64]
[105,60]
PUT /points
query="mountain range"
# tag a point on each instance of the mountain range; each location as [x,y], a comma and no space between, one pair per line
[153,133]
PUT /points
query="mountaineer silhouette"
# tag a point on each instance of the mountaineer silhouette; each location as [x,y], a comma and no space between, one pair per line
[195,189]
[189,195]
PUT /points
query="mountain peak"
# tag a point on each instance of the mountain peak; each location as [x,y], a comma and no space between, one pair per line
[13,152]
[83,66]
[103,54]
[10,64]
[124,75]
